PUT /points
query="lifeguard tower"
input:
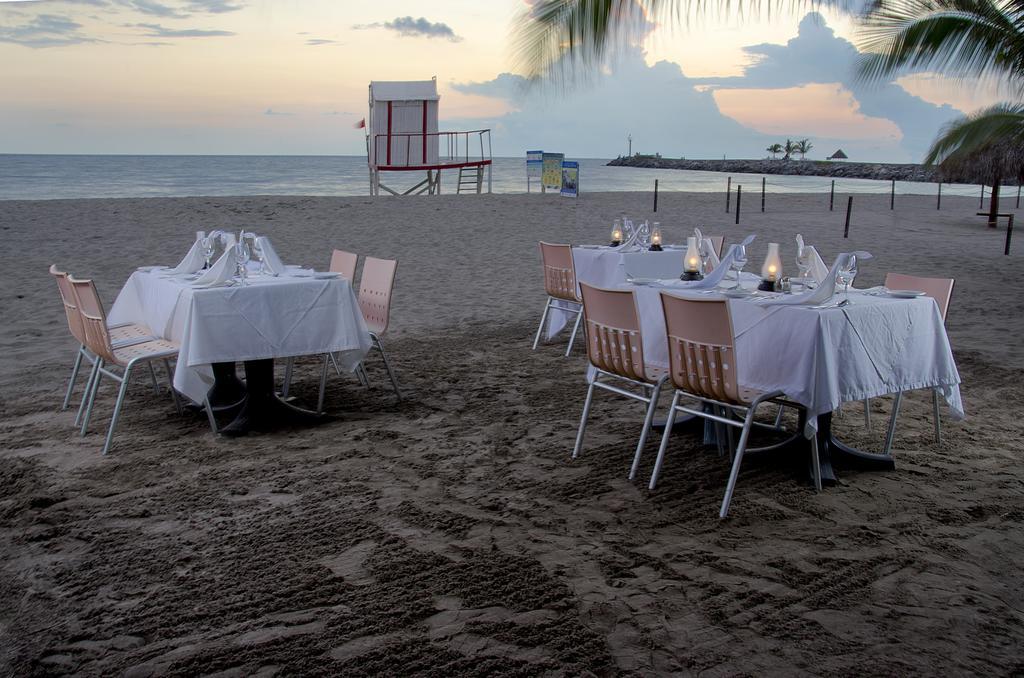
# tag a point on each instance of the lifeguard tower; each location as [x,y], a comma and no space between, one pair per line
[402,136]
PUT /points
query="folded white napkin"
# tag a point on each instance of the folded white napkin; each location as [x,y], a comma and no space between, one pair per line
[824,292]
[194,260]
[714,277]
[272,262]
[707,251]
[221,271]
[808,255]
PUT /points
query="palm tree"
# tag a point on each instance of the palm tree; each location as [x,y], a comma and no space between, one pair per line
[803,147]
[775,149]
[961,38]
[789,148]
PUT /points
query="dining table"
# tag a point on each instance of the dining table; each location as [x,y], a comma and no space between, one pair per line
[857,345]
[264,317]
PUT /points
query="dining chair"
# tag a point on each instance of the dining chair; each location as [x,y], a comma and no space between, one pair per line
[344,263]
[616,353]
[718,241]
[121,335]
[941,290]
[98,340]
[703,368]
[560,285]
[375,288]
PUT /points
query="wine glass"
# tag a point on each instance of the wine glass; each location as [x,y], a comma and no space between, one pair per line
[208,245]
[627,231]
[257,251]
[643,232]
[242,256]
[846,274]
[803,265]
[739,260]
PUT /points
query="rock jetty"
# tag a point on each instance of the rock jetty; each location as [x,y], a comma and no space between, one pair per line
[818,168]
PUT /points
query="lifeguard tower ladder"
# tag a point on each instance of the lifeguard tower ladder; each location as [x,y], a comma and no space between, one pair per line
[402,136]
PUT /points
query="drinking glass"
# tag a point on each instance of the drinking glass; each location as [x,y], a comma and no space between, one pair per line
[739,260]
[257,251]
[208,244]
[242,255]
[846,274]
[627,230]
[643,233]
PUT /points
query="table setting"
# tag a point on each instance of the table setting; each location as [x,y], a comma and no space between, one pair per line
[232,299]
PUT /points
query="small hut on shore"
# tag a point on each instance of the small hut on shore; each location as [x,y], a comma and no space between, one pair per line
[992,165]
[838,155]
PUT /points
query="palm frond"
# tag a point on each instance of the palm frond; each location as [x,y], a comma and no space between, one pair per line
[565,38]
[981,146]
[960,38]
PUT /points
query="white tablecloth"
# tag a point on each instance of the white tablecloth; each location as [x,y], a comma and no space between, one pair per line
[269,318]
[822,358]
[603,267]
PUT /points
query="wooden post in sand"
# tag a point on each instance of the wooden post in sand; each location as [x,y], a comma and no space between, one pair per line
[832,196]
[892,196]
[739,195]
[1018,196]
[938,201]
[655,195]
[981,200]
[849,208]
[763,184]
[728,193]
[1009,232]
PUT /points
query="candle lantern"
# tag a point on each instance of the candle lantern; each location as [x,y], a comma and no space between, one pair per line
[616,233]
[655,238]
[691,261]
[771,269]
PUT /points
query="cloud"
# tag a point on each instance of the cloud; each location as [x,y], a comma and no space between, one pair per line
[158,31]
[271,111]
[507,86]
[314,42]
[410,27]
[817,56]
[45,30]
[181,10]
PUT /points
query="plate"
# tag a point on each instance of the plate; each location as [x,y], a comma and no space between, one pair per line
[738,294]
[591,247]
[326,275]
[906,294]
[643,281]
[150,269]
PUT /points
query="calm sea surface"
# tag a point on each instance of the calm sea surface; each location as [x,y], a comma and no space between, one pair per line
[43,177]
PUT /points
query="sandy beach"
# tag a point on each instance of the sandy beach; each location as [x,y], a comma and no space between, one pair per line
[450,533]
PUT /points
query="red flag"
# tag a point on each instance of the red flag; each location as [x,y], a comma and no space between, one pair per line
[360,124]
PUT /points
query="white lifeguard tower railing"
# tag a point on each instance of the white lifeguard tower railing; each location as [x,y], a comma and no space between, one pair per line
[402,136]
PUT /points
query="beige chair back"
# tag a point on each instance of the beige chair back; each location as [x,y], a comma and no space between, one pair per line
[614,341]
[94,318]
[559,271]
[67,296]
[344,263]
[939,289]
[701,349]
[375,292]
[718,242]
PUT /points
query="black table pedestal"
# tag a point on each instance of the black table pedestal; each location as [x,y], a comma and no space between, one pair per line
[262,409]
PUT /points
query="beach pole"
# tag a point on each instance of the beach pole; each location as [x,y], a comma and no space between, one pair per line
[892,196]
[938,201]
[728,193]
[763,180]
[739,195]
[1009,233]
[849,208]
[981,200]
[655,195]
[832,196]
[1018,196]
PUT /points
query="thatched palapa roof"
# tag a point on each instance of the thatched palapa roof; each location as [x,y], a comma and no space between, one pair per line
[838,155]
[995,163]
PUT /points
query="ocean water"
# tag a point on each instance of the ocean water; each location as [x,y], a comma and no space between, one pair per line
[44,177]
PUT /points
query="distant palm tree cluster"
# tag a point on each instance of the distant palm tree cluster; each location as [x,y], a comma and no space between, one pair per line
[801,147]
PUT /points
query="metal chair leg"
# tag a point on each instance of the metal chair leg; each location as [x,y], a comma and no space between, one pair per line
[891,432]
[583,421]
[74,378]
[664,441]
[867,413]
[92,396]
[648,420]
[289,365]
[572,337]
[816,463]
[778,416]
[361,375]
[152,377]
[209,415]
[117,406]
[736,462]
[938,420]
[85,393]
[543,319]
[170,384]
[337,370]
[387,365]
[323,386]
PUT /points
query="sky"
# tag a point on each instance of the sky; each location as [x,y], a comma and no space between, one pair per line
[290,77]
